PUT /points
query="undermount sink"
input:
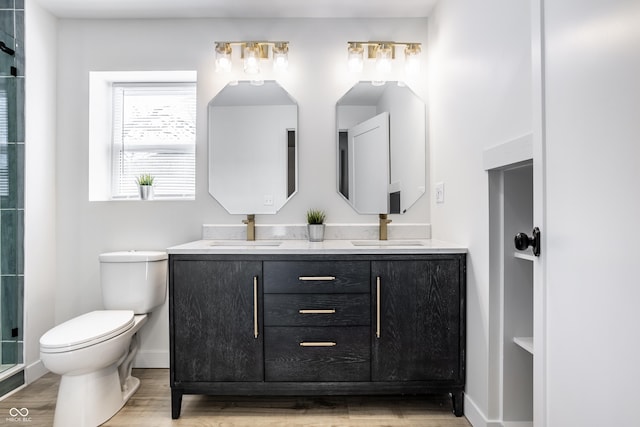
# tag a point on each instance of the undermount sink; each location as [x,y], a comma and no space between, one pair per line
[246,243]
[386,243]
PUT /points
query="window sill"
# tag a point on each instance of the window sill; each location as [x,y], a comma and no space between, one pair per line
[155,199]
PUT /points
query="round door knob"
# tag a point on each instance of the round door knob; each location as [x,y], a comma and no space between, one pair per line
[522,241]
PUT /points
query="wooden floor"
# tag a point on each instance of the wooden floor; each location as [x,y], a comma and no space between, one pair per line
[151,406]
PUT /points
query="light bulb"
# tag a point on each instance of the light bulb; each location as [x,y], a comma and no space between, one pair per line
[223,64]
[384,55]
[223,57]
[412,59]
[252,58]
[355,59]
[280,56]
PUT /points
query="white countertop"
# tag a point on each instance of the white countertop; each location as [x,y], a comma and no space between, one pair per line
[302,247]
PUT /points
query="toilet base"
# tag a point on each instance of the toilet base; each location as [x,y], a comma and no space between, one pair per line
[133,384]
[92,399]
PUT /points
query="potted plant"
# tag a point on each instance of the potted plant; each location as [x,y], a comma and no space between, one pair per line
[145,184]
[315,225]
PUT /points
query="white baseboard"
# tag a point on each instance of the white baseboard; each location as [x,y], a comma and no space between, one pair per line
[151,359]
[476,417]
[34,371]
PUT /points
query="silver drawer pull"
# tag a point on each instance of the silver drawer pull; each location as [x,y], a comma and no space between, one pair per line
[329,311]
[309,278]
[318,344]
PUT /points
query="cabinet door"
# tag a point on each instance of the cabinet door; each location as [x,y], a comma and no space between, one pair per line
[419,311]
[213,315]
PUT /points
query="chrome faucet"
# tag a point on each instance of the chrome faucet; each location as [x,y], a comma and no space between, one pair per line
[383,226]
[251,226]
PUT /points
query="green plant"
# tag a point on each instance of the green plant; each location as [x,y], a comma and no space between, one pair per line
[315,216]
[145,179]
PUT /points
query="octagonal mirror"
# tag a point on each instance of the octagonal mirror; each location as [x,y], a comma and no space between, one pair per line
[252,131]
[381,137]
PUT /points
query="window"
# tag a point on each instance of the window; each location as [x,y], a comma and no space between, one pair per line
[142,122]
[153,131]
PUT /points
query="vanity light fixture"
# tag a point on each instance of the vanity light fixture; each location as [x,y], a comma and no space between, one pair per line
[252,53]
[384,54]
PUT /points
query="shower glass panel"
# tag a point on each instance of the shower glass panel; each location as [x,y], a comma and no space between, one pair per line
[11,187]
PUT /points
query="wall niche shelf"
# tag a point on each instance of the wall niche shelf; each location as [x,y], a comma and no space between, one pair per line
[510,169]
[524,342]
[524,255]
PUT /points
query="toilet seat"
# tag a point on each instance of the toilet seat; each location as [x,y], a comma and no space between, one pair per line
[86,330]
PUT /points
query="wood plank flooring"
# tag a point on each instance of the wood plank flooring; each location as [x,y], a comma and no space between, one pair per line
[151,406]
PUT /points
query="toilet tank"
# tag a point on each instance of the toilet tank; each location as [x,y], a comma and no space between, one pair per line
[133,280]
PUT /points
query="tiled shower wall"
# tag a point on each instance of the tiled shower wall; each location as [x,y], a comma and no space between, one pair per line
[12,163]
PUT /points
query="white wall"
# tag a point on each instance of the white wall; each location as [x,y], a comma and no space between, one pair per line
[317,78]
[592,210]
[40,182]
[480,96]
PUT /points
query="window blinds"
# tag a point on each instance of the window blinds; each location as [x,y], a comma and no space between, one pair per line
[154,131]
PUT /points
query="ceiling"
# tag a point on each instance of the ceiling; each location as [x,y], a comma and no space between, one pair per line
[238,8]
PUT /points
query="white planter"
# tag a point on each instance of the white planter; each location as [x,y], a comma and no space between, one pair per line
[146,192]
[316,232]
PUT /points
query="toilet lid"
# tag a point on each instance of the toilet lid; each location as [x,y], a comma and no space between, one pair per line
[87,329]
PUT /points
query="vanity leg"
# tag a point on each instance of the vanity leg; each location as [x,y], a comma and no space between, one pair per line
[176,403]
[457,399]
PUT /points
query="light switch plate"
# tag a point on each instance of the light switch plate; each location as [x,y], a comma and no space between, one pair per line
[439,192]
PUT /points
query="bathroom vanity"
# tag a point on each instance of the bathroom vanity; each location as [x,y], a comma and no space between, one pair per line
[329,318]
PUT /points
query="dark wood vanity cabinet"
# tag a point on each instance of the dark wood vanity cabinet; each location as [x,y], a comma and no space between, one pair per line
[317,325]
[420,310]
[213,311]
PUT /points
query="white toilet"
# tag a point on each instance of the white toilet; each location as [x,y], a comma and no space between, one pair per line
[94,352]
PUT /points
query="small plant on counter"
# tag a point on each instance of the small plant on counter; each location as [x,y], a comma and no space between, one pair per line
[315,216]
[315,225]
[145,179]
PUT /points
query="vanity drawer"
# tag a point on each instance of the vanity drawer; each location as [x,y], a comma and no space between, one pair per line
[317,354]
[316,276]
[317,309]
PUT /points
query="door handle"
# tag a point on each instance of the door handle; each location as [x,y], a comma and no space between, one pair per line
[522,241]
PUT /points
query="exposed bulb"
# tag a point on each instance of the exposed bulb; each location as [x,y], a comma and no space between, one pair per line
[355,59]
[280,56]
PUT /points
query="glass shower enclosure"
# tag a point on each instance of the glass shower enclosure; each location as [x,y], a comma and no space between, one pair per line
[12,137]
